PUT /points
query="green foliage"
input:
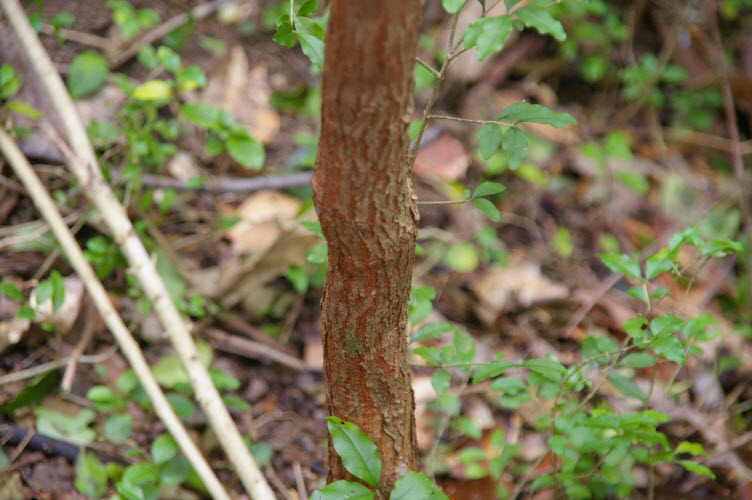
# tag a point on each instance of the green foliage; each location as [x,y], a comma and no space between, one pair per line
[309,31]
[86,74]
[361,458]
[131,20]
[596,447]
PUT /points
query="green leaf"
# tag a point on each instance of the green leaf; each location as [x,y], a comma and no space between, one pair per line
[452,6]
[343,490]
[462,256]
[542,20]
[10,290]
[163,448]
[668,346]
[492,369]
[508,385]
[635,327]
[200,114]
[489,139]
[552,370]
[431,331]
[308,8]
[91,475]
[515,146]
[247,151]
[190,78]
[86,73]
[117,428]
[633,180]
[261,451]
[358,453]
[693,449]
[698,469]
[535,113]
[43,292]
[416,486]
[638,360]
[441,381]
[24,109]
[489,34]
[489,188]
[658,263]
[488,208]
[169,59]
[58,289]
[174,471]
[721,248]
[284,35]
[181,405]
[626,386]
[298,278]
[152,91]
[311,36]
[621,263]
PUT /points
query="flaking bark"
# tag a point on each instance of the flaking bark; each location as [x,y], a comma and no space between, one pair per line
[367,212]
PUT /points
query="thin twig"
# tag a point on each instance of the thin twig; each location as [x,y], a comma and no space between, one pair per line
[128,344]
[82,161]
[52,365]
[230,184]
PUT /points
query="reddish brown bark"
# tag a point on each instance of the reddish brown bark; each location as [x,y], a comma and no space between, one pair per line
[367,213]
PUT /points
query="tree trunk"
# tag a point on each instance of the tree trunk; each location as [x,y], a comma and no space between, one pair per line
[365,202]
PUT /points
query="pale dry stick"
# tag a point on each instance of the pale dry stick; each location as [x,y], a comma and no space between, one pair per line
[83,342]
[91,359]
[82,161]
[128,345]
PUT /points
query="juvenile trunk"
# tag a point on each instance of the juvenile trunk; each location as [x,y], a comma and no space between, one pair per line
[364,201]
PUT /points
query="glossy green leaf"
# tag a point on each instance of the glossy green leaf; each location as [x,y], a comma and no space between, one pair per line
[308,8]
[489,140]
[626,386]
[246,150]
[58,289]
[552,370]
[621,263]
[489,188]
[535,113]
[452,6]
[163,448]
[488,208]
[343,490]
[358,453]
[492,369]
[416,486]
[658,263]
[431,331]
[91,475]
[284,35]
[489,34]
[86,73]
[10,290]
[441,381]
[638,360]
[311,36]
[541,19]
[515,146]
[117,428]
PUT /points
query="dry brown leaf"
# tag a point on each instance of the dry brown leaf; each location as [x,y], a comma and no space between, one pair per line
[245,94]
[263,216]
[521,284]
[443,159]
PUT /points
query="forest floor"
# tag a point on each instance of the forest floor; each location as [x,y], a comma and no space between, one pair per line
[650,156]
